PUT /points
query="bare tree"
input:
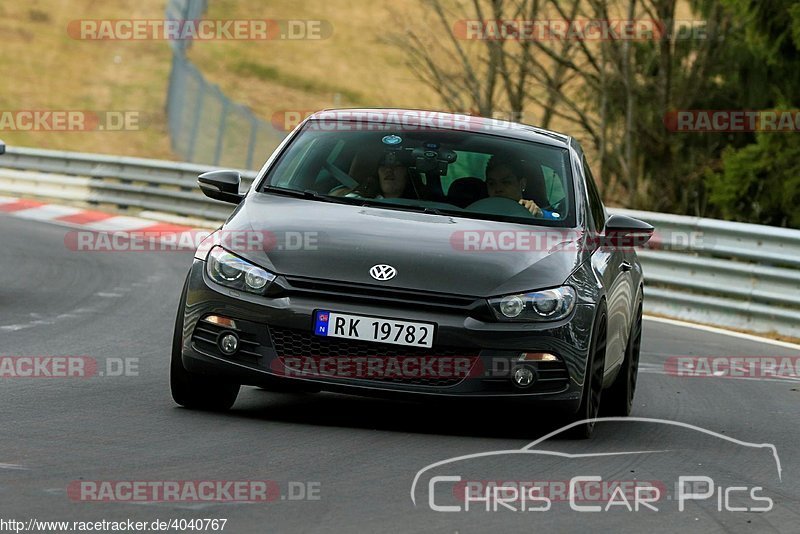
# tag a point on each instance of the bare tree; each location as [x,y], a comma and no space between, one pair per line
[615,90]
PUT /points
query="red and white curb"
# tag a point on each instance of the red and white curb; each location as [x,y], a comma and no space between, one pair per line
[97,221]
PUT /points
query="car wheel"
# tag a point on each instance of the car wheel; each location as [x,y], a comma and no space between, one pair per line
[190,389]
[593,383]
[618,399]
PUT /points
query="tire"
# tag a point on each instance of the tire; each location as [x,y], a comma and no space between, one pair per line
[593,382]
[618,399]
[191,390]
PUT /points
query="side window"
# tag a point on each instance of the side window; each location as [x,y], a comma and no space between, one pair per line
[554,185]
[596,209]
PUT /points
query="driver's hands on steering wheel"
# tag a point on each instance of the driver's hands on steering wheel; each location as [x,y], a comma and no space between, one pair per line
[531,206]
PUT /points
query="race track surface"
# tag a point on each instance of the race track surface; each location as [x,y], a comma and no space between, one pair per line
[358,457]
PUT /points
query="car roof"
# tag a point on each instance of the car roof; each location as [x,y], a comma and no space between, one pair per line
[415,118]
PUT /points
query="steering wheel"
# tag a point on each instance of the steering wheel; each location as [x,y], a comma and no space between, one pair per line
[500,206]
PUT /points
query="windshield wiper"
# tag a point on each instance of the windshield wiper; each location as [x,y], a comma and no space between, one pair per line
[408,207]
[305,193]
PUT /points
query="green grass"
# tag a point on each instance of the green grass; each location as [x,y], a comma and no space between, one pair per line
[44,69]
[272,74]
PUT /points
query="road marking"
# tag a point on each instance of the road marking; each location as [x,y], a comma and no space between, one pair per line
[119,223]
[88,219]
[18,205]
[12,466]
[722,331]
[39,320]
[84,217]
[47,212]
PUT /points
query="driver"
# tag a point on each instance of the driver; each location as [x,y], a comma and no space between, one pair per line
[392,182]
[506,178]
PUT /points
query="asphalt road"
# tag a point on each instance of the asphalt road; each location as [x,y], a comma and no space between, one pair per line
[357,457]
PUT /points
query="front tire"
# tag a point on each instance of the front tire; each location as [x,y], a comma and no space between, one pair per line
[191,390]
[593,381]
[619,397]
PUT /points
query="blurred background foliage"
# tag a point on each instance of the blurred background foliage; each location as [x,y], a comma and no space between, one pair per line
[612,95]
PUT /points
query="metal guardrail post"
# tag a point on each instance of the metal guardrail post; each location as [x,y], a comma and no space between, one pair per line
[251,144]
[179,94]
[198,110]
[222,125]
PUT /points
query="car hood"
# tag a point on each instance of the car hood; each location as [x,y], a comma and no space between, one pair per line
[330,241]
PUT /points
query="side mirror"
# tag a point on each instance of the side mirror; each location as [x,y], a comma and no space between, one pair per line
[2,147]
[622,230]
[221,185]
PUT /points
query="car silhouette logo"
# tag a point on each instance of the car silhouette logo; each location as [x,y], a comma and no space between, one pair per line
[382,272]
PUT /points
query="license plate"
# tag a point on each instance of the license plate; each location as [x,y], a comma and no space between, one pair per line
[376,329]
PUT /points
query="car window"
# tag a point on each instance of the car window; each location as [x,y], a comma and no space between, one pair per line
[467,164]
[456,172]
[554,185]
[294,160]
[596,208]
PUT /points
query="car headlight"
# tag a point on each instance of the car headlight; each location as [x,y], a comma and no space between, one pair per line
[546,305]
[234,272]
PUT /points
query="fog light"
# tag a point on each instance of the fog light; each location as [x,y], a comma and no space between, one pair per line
[228,343]
[523,376]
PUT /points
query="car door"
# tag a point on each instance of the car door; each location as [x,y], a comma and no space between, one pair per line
[613,268]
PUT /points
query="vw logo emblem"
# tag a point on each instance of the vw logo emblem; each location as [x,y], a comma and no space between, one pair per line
[382,272]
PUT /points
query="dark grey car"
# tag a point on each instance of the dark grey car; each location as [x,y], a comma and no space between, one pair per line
[416,254]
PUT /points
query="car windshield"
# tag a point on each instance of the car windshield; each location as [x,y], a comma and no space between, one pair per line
[445,172]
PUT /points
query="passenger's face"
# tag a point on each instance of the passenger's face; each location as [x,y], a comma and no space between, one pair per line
[501,182]
[393,179]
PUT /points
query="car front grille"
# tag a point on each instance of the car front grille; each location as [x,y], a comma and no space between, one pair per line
[395,297]
[312,350]
[551,377]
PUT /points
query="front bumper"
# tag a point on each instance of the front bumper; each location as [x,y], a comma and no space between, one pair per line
[278,329]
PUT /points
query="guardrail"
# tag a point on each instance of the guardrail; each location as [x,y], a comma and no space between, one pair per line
[143,184]
[723,273]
